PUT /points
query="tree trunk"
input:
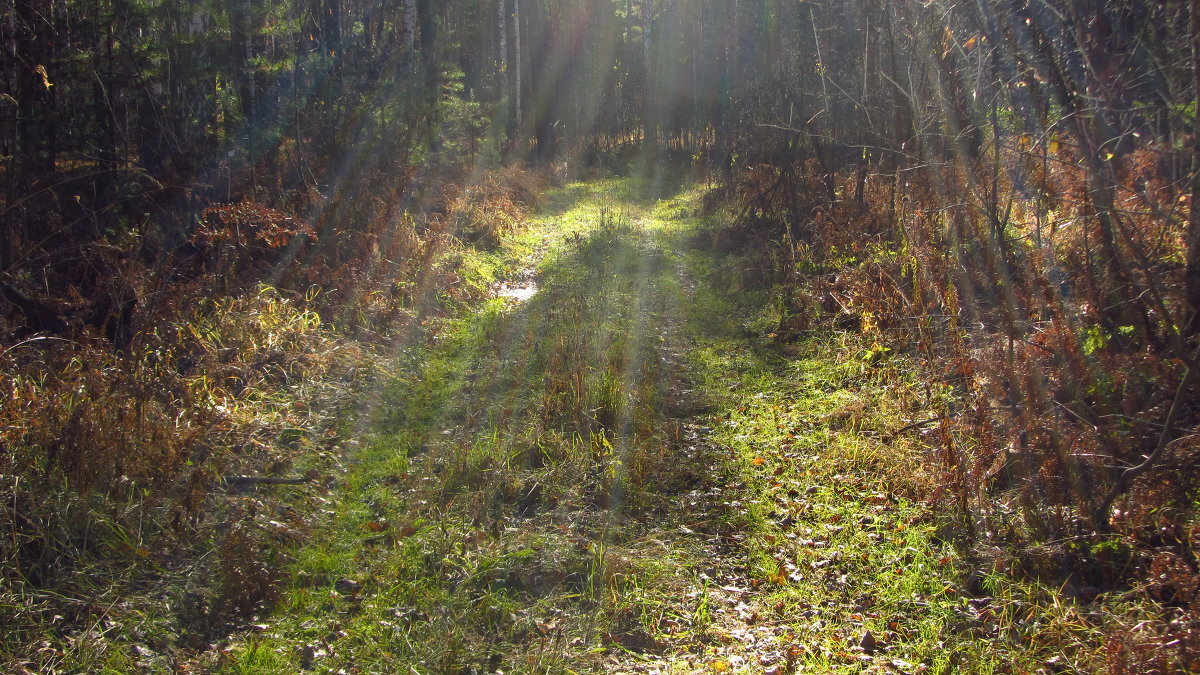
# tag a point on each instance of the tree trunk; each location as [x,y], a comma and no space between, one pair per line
[513,19]
[649,103]
[1192,271]
[502,57]
[410,25]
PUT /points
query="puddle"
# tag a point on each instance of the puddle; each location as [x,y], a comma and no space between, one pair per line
[519,291]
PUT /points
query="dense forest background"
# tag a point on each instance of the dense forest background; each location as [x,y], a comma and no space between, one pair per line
[195,191]
[143,119]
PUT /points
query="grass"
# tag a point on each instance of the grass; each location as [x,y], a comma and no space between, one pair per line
[112,528]
[512,507]
[628,472]
[124,548]
[849,567]
[853,561]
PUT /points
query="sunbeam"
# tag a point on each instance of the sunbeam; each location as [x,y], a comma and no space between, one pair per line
[630,336]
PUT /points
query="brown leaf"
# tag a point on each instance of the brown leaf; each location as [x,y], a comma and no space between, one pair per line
[868,643]
[779,576]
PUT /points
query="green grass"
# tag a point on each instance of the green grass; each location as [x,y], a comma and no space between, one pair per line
[841,526]
[511,506]
[836,541]
[629,470]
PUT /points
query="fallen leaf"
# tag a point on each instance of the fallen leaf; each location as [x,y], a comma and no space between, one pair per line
[868,643]
[780,576]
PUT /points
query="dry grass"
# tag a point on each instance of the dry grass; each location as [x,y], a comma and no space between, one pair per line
[115,455]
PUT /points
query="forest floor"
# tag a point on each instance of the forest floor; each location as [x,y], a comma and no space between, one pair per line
[615,466]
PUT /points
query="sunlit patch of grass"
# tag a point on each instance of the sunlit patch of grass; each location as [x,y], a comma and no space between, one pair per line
[855,564]
[847,560]
[576,209]
[512,508]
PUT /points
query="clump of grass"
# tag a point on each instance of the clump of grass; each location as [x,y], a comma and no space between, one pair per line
[851,565]
[488,211]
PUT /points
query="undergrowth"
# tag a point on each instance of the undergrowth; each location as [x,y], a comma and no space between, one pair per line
[153,485]
[778,445]
[1052,356]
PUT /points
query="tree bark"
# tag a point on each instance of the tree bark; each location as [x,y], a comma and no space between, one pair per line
[517,92]
[1192,269]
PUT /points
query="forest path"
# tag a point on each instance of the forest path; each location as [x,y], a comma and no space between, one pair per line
[610,470]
